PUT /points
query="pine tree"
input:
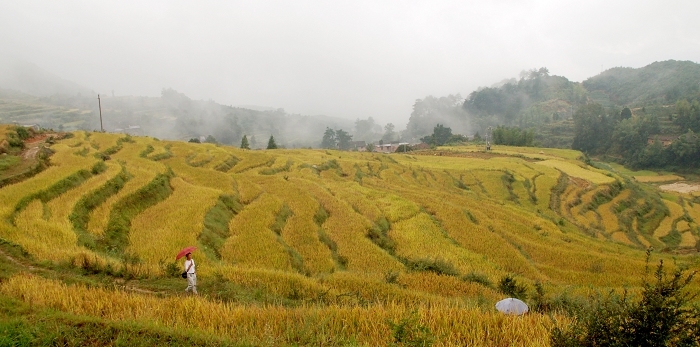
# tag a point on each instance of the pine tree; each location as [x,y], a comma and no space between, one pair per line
[271,144]
[244,143]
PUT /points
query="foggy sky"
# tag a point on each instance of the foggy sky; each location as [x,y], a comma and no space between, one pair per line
[350,59]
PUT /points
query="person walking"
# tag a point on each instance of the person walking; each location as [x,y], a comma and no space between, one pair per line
[191,274]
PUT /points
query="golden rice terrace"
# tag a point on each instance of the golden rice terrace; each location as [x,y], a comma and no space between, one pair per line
[307,246]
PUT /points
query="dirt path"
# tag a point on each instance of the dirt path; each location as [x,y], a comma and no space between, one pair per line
[119,283]
[681,187]
[16,262]
[32,146]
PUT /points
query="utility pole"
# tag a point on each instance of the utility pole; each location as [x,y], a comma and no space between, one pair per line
[99,104]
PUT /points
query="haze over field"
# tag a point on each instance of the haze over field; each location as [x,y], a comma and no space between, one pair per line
[344,59]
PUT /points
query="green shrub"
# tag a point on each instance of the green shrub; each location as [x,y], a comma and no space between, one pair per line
[409,332]
[438,266]
[478,278]
[508,285]
[378,234]
[22,133]
[662,316]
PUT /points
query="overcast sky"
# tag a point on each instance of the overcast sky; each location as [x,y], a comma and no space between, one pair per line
[350,59]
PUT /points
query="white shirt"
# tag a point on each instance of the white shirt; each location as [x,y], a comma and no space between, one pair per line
[187,264]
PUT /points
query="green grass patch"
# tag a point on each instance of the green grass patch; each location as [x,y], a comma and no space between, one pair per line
[117,233]
[272,171]
[478,278]
[557,191]
[216,222]
[79,217]
[320,216]
[8,161]
[72,181]
[508,179]
[281,219]
[162,156]
[149,149]
[104,155]
[228,164]
[438,266]
[205,161]
[378,234]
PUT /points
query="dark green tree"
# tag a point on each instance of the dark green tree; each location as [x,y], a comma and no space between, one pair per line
[330,140]
[688,115]
[244,142]
[626,138]
[389,133]
[441,135]
[652,155]
[271,143]
[344,139]
[210,139]
[626,113]
[513,136]
[366,130]
[686,150]
[592,129]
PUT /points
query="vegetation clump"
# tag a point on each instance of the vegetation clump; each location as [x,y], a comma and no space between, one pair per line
[80,215]
[116,237]
[510,286]
[438,266]
[661,316]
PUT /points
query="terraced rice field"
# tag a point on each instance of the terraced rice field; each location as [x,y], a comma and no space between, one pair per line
[357,238]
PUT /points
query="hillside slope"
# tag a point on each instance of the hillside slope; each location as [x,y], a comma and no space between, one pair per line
[313,233]
[657,83]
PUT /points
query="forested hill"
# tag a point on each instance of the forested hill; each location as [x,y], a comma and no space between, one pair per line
[659,82]
[548,103]
[538,97]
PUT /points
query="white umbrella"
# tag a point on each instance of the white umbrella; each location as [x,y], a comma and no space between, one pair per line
[512,306]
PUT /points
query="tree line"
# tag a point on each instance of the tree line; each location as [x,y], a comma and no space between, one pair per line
[637,141]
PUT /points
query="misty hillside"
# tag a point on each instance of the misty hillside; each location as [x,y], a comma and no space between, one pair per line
[28,78]
[659,82]
[30,95]
[537,100]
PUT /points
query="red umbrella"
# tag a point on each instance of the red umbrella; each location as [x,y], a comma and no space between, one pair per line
[184,251]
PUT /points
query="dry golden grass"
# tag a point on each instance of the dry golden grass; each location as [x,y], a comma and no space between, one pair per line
[177,222]
[300,231]
[676,211]
[659,178]
[688,239]
[693,211]
[141,170]
[419,238]
[252,243]
[278,325]
[620,236]
[577,171]
[348,231]
[610,222]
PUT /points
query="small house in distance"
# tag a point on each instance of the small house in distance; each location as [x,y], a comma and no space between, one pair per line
[389,147]
[359,146]
[666,140]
